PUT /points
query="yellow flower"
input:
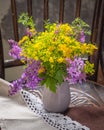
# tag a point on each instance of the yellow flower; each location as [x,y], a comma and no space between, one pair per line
[51,59]
[25,38]
[36,58]
[33,31]
[91,48]
[62,47]
[41,70]
[51,48]
[83,48]
[66,28]
[36,46]
[60,60]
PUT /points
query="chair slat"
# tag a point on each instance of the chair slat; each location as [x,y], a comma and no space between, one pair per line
[45,9]
[96,28]
[78,8]
[2,74]
[100,36]
[29,7]
[12,63]
[95,20]
[14,16]
[61,12]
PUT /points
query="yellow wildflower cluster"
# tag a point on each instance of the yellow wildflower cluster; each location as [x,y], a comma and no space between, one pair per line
[24,39]
[54,45]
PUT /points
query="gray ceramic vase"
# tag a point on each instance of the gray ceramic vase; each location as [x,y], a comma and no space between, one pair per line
[59,101]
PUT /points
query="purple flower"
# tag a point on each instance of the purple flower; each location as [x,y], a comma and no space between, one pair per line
[15,52]
[75,71]
[29,78]
[82,37]
[31,75]
[12,42]
[15,86]
[15,49]
[28,32]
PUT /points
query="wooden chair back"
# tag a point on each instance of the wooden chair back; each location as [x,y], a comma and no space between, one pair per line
[97,34]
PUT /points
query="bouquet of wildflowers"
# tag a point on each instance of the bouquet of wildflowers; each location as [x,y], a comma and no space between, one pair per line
[52,56]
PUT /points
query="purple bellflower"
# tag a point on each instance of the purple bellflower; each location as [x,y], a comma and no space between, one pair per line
[75,71]
[29,78]
[82,37]
[15,49]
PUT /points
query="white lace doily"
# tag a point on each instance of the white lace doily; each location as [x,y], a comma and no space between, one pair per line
[55,120]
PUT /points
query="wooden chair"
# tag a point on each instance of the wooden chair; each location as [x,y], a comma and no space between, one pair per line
[97,25]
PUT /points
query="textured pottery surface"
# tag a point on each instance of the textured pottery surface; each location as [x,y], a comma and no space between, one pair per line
[59,101]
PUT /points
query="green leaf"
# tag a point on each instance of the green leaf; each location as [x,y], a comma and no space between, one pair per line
[79,25]
[43,82]
[26,20]
[59,76]
[51,84]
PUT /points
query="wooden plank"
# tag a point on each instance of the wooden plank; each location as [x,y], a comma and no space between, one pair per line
[45,10]
[96,36]
[101,34]
[2,73]
[12,63]
[29,7]
[14,16]
[100,37]
[95,20]
[78,8]
[61,11]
